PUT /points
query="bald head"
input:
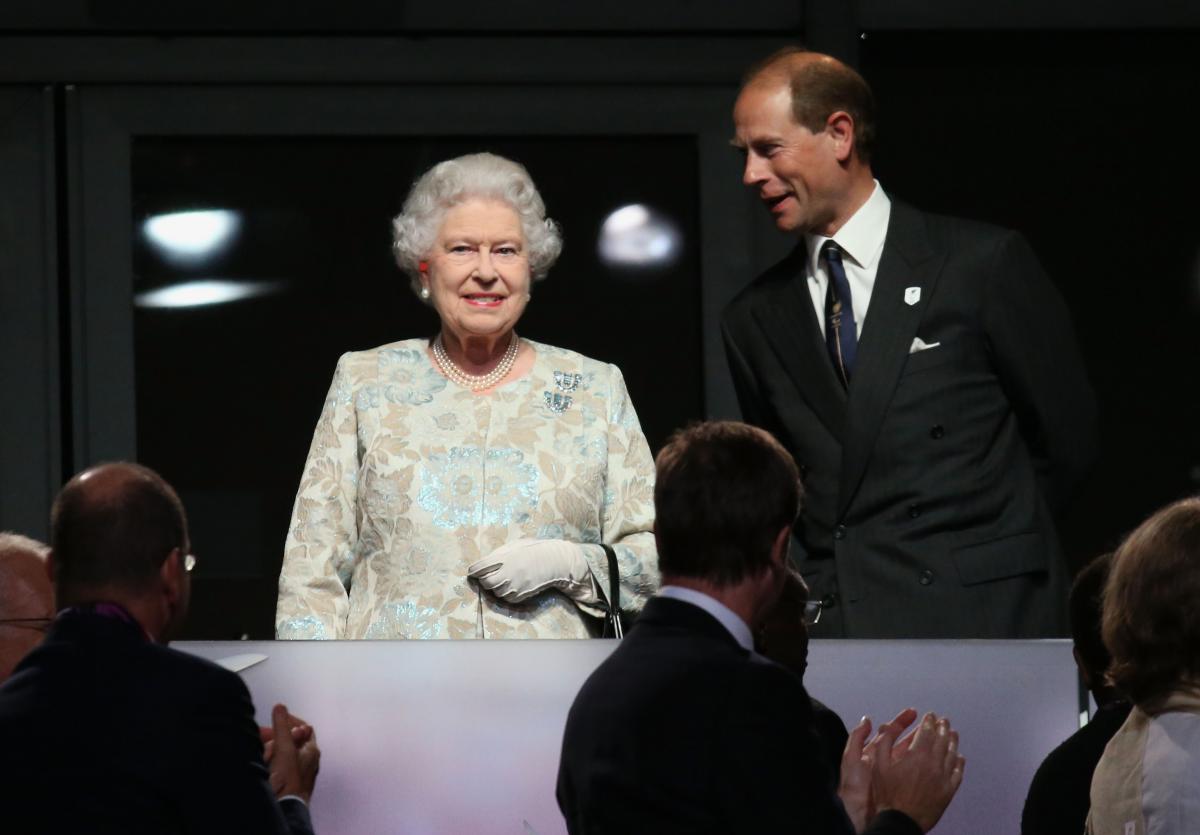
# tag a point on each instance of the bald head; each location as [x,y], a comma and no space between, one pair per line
[26,598]
[112,527]
[819,86]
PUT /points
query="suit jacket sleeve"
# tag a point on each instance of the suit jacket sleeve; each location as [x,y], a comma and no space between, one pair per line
[1033,347]
[228,787]
[295,812]
[782,779]
[781,782]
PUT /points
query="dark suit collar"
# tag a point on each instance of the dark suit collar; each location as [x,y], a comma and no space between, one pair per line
[787,318]
[909,261]
[668,613]
[85,624]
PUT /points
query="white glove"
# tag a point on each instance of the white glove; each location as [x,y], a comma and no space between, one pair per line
[521,569]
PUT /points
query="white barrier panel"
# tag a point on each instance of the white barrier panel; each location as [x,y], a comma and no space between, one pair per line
[460,737]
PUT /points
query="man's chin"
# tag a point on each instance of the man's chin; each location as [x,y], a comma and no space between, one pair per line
[787,222]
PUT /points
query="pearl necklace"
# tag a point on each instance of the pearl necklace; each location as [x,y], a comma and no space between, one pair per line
[476,382]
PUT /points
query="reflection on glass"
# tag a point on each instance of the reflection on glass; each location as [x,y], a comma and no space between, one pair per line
[639,237]
[204,292]
[191,237]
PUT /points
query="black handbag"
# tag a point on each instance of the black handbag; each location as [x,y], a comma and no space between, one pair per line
[617,619]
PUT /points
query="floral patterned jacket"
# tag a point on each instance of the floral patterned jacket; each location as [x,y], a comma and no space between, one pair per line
[411,478]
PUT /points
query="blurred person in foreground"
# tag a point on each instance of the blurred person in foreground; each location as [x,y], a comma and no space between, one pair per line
[26,598]
[1058,798]
[104,728]
[461,485]
[684,728]
[783,637]
[1148,781]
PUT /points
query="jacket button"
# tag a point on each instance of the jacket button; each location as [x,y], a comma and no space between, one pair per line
[914,510]
[926,578]
[937,432]
[839,532]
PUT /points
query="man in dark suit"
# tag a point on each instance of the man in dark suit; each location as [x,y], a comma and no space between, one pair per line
[103,729]
[921,370]
[684,728]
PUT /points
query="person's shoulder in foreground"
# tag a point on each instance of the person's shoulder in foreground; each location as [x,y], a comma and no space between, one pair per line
[1146,780]
[106,729]
[684,727]
[1058,798]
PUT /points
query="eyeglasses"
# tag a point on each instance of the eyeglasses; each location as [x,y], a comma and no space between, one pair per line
[40,624]
[812,612]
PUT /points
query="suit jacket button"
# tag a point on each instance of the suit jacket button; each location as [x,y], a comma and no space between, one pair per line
[937,432]
[914,510]
[839,532]
[926,578]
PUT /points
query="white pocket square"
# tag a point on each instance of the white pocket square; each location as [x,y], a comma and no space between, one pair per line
[920,344]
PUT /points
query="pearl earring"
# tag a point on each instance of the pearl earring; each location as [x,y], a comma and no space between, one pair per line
[424,293]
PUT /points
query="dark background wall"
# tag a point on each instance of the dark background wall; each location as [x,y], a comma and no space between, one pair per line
[1068,121]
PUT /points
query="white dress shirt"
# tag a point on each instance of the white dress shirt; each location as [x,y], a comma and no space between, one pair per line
[861,240]
[736,626]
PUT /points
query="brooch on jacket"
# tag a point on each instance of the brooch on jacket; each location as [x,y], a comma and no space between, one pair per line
[557,403]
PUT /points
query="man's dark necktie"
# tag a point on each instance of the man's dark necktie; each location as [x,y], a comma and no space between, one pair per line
[841,331]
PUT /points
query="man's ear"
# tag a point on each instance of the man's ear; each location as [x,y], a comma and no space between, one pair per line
[840,127]
[171,576]
[779,549]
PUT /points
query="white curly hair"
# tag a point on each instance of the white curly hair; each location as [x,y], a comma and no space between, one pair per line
[454,181]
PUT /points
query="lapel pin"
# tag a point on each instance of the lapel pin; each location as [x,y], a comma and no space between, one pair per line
[912,295]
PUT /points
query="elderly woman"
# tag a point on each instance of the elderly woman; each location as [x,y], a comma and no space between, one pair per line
[1148,781]
[461,486]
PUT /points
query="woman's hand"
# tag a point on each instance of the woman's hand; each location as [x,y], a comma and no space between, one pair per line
[519,570]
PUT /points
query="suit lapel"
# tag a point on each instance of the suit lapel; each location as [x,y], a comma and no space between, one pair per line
[909,260]
[789,322]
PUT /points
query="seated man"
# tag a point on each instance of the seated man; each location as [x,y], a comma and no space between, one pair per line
[26,599]
[1058,796]
[684,728]
[104,729]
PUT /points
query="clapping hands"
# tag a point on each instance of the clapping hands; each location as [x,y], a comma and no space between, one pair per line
[291,752]
[915,772]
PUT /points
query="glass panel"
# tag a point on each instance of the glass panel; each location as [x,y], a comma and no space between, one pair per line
[296,234]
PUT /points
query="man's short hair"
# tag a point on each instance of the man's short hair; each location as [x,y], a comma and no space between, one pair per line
[723,492]
[819,88]
[1151,616]
[115,533]
[1084,609]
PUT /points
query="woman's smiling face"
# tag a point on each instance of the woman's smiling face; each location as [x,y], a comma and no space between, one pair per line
[478,272]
